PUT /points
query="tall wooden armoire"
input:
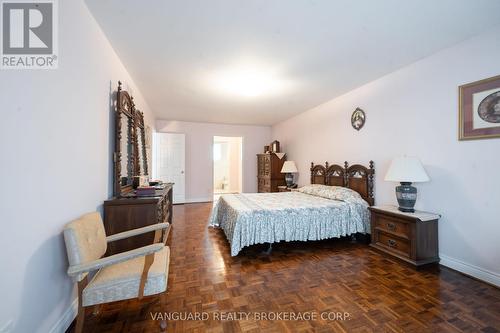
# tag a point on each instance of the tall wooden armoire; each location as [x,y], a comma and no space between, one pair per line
[269,172]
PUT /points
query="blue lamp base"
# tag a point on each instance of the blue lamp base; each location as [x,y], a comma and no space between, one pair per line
[407,196]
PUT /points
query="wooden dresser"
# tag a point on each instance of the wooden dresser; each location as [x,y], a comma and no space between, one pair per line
[412,237]
[122,214]
[269,174]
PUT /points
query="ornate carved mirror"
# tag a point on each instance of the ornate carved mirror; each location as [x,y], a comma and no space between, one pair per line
[130,157]
[141,153]
[124,143]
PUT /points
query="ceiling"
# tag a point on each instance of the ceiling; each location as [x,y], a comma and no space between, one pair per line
[263,61]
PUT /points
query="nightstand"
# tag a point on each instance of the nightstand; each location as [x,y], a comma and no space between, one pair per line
[412,237]
[284,189]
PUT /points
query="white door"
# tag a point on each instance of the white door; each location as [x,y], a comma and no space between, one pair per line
[169,162]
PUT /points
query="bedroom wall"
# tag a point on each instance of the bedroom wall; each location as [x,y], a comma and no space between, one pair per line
[414,111]
[56,165]
[235,164]
[199,153]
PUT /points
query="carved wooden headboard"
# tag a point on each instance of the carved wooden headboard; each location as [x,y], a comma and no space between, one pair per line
[356,177]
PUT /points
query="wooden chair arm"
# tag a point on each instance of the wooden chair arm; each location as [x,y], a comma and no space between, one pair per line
[114,259]
[138,231]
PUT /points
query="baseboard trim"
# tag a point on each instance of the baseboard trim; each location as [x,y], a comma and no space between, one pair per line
[199,200]
[66,319]
[471,270]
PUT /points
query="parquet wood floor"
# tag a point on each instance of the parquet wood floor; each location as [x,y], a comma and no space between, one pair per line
[379,294]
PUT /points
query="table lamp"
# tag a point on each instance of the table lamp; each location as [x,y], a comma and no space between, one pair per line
[289,168]
[406,170]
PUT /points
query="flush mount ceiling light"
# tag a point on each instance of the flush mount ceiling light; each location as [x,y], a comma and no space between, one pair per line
[247,81]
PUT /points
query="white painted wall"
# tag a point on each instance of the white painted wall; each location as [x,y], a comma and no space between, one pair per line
[415,111]
[56,146]
[199,141]
[235,164]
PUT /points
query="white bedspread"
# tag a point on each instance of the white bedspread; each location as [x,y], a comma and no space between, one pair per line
[257,218]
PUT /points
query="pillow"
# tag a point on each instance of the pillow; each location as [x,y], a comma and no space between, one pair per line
[331,192]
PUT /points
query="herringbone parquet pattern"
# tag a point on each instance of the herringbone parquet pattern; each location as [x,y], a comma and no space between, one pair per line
[379,293]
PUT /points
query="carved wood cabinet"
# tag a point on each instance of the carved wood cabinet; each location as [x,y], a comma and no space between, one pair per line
[269,174]
[126,213]
[411,237]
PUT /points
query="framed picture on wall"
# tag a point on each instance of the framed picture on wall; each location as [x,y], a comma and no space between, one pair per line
[479,109]
[358,119]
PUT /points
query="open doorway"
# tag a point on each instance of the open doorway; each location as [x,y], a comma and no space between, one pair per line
[227,164]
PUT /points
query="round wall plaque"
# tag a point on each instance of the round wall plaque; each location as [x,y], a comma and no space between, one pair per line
[358,119]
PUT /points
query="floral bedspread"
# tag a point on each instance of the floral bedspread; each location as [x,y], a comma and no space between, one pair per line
[257,218]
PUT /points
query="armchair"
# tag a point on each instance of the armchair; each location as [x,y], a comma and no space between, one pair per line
[131,274]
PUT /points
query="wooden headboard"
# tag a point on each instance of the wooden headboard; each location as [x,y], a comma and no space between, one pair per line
[356,177]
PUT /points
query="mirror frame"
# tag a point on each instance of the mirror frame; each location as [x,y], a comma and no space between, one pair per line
[140,131]
[125,107]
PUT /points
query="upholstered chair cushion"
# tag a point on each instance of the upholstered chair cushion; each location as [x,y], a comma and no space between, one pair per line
[121,281]
[85,239]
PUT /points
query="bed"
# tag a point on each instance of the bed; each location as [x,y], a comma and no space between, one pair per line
[334,205]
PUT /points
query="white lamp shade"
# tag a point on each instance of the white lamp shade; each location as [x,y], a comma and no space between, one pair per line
[289,167]
[406,169]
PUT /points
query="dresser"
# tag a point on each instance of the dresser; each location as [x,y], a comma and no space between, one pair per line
[269,175]
[412,237]
[126,213]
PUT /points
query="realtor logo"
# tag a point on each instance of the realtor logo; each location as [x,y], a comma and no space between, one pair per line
[29,39]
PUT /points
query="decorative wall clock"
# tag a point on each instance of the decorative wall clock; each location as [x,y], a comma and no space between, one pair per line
[358,119]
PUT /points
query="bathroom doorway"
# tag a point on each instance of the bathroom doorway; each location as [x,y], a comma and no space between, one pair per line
[227,165]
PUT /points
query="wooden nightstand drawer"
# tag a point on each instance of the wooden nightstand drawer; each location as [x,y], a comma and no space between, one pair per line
[393,244]
[412,237]
[392,225]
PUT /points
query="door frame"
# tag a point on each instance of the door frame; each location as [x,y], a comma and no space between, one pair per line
[154,159]
[212,160]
